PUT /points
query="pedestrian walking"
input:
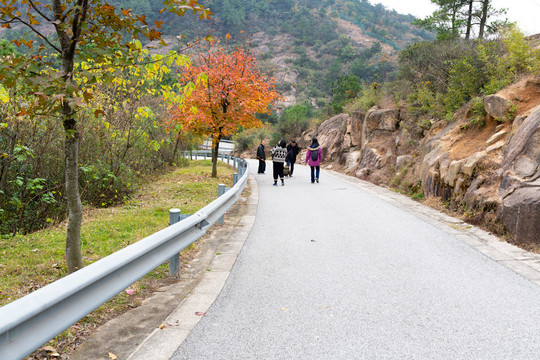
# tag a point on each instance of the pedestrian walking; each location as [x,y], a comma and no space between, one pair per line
[313,159]
[292,152]
[261,156]
[279,152]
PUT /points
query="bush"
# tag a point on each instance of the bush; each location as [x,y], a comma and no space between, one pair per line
[117,151]
[444,75]
[250,138]
[370,96]
[294,121]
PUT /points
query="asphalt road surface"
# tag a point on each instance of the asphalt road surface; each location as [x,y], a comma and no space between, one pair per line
[332,272]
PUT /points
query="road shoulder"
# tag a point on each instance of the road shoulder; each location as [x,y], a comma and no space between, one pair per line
[522,262]
[154,330]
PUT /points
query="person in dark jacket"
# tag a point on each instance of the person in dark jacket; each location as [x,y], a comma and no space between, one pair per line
[261,156]
[292,152]
[279,152]
[313,158]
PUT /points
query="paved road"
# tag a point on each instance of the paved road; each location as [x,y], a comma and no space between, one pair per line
[330,271]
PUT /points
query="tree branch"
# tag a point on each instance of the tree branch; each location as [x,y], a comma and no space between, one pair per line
[36,32]
[39,11]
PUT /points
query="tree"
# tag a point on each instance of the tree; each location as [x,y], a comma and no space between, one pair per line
[455,16]
[446,20]
[234,92]
[84,29]
[486,12]
[344,89]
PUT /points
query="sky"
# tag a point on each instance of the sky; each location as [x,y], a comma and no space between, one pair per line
[524,12]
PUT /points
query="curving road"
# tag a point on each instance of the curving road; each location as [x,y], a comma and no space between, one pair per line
[331,271]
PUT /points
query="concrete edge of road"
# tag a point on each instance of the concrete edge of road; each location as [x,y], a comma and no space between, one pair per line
[163,342]
[516,259]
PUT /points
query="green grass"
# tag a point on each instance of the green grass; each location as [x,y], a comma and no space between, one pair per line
[28,262]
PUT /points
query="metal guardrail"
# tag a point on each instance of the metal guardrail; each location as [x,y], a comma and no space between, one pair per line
[225,146]
[28,323]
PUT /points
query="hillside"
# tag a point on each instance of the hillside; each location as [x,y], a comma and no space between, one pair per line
[308,45]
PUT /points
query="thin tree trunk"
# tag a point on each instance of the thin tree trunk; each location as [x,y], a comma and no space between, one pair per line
[68,41]
[73,197]
[469,20]
[175,150]
[215,150]
[73,237]
[5,162]
[483,19]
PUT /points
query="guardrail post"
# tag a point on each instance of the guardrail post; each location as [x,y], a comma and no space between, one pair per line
[241,169]
[221,190]
[174,262]
[228,159]
[234,178]
[205,155]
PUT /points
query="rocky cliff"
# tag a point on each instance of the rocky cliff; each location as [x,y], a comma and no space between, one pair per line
[490,172]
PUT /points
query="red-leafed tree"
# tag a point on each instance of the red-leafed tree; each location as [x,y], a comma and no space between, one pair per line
[233,91]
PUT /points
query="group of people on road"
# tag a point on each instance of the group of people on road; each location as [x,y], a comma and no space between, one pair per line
[284,158]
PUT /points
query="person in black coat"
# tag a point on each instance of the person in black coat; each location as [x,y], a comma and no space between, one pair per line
[261,156]
[292,152]
[279,153]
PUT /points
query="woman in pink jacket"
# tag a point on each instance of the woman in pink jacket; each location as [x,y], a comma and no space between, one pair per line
[313,158]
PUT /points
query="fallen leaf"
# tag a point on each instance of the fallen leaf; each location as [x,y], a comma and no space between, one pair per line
[50,350]
[284,309]
[198,313]
[112,356]
[313,240]
[325,307]
[130,292]
[162,326]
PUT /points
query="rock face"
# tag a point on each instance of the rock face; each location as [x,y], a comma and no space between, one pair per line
[331,134]
[520,185]
[491,169]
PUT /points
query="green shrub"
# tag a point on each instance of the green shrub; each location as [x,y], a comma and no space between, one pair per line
[477,111]
[294,121]
[247,139]
[370,96]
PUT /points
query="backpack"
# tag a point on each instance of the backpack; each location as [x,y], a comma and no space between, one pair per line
[315,155]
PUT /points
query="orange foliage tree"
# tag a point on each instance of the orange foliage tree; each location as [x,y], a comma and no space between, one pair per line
[233,91]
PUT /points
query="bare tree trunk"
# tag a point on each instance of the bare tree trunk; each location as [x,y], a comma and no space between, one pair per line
[469,20]
[68,37]
[215,151]
[5,162]
[73,236]
[483,19]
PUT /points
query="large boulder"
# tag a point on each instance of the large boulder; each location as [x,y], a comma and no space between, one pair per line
[331,134]
[520,214]
[497,106]
[520,184]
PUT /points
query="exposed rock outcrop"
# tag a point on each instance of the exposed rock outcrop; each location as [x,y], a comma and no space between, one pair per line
[520,185]
[490,169]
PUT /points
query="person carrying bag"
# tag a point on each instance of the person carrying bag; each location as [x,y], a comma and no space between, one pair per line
[313,159]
